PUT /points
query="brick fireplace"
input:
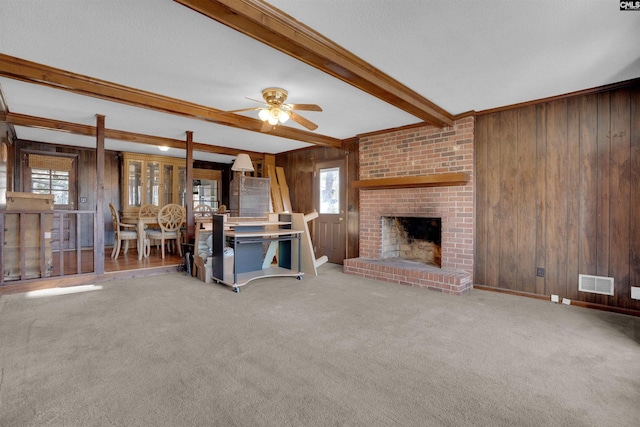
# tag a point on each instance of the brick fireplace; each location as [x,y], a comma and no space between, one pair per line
[418,152]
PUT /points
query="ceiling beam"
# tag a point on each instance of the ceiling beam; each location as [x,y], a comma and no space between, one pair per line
[32,72]
[121,135]
[271,26]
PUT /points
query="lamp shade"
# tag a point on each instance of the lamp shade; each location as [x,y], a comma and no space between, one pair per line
[242,163]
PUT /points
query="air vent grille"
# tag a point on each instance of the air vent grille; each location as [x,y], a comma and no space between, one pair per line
[595,284]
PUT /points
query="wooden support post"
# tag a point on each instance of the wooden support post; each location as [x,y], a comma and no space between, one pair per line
[189,190]
[98,227]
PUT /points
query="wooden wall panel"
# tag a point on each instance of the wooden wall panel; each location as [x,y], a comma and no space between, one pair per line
[492,209]
[556,202]
[508,197]
[541,199]
[634,181]
[481,227]
[588,172]
[620,195]
[603,186]
[526,173]
[572,203]
[573,198]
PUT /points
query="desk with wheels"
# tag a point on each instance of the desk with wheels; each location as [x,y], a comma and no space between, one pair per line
[247,240]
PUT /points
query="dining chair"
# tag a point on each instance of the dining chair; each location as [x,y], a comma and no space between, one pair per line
[202,211]
[170,218]
[123,232]
[148,210]
[199,212]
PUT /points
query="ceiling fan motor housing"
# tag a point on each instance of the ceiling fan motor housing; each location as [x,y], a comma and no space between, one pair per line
[274,95]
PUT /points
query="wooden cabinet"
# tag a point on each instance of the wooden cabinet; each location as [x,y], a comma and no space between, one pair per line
[152,179]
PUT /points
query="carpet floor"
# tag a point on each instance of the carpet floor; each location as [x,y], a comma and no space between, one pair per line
[331,350]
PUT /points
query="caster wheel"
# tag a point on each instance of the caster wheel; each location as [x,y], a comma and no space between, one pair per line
[299,277]
[236,290]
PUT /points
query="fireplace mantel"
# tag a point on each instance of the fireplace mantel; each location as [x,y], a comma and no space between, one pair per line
[433,180]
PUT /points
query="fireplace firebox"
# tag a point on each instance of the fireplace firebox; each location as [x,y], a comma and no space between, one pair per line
[411,238]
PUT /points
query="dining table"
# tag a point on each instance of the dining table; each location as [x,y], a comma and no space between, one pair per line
[141,222]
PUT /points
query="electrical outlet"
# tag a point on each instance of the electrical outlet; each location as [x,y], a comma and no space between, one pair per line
[83,200]
[540,271]
[555,298]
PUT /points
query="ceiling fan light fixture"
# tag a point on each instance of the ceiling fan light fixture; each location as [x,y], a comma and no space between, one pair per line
[284,116]
[273,120]
[264,115]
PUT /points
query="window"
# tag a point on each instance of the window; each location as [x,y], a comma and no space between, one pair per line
[47,174]
[49,181]
[330,191]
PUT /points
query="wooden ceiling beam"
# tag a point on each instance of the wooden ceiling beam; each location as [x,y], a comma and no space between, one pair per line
[271,26]
[32,72]
[121,135]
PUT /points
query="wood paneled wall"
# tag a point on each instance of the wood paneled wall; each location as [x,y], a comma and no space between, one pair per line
[558,188]
[299,166]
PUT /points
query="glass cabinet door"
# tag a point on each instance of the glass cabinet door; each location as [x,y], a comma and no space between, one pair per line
[153,184]
[182,186]
[134,182]
[167,184]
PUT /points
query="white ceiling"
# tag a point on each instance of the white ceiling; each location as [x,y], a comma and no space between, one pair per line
[461,55]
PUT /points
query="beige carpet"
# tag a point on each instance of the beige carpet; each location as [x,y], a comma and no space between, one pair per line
[332,350]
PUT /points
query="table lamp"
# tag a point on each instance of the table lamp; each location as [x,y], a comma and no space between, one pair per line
[242,164]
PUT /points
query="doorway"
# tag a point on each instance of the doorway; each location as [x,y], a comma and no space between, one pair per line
[329,235]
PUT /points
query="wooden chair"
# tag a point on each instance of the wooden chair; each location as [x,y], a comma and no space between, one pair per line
[148,210]
[170,218]
[202,211]
[123,232]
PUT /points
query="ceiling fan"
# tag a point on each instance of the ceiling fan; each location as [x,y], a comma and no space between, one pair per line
[277,112]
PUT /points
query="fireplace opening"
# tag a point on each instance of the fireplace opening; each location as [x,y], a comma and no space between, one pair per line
[412,239]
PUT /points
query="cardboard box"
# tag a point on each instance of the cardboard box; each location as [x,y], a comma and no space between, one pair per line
[203,269]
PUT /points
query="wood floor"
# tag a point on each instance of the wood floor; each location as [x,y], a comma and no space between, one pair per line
[126,266]
[128,261]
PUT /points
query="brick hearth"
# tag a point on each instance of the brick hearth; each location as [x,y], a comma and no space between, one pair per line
[414,152]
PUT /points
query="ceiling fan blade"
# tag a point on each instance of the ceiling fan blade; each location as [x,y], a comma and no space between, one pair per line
[254,100]
[301,120]
[266,127]
[305,107]
[237,111]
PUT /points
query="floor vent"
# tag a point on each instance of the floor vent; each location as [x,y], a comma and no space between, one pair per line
[595,284]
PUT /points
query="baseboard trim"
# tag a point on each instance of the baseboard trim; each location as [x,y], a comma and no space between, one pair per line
[602,307]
